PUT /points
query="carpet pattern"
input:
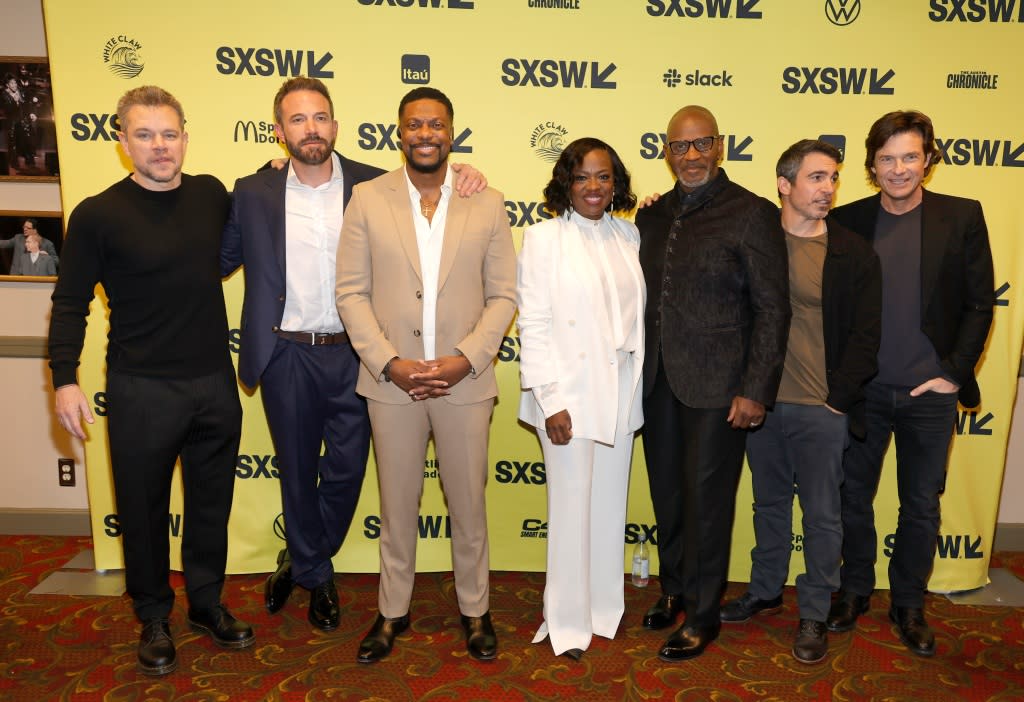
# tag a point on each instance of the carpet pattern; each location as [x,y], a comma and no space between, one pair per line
[63,647]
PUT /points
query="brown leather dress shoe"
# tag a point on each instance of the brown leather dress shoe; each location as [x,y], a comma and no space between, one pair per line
[279,585]
[481,641]
[378,642]
[913,630]
[664,612]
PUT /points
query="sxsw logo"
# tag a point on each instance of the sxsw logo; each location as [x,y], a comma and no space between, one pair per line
[99,407]
[509,350]
[94,127]
[431,526]
[842,12]
[981,152]
[964,546]
[254,466]
[375,136]
[554,73]
[976,10]
[415,69]
[828,80]
[633,532]
[971,423]
[698,78]
[112,525]
[526,472]
[234,340]
[523,214]
[735,148]
[435,4]
[259,132]
[836,140]
[272,62]
[534,529]
[704,8]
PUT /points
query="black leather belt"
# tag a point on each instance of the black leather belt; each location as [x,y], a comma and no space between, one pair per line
[313,338]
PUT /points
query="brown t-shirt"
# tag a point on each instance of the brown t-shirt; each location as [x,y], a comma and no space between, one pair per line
[803,377]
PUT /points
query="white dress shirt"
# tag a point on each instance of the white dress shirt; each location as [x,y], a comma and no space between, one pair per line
[313,219]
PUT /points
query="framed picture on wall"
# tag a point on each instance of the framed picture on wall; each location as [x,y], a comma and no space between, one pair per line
[30,244]
[28,137]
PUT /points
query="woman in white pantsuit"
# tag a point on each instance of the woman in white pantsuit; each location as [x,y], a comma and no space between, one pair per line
[581,309]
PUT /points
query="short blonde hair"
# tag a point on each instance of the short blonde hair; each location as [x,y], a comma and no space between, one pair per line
[148,96]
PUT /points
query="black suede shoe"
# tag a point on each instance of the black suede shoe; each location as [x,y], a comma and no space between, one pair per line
[481,641]
[280,584]
[380,639]
[913,630]
[664,612]
[845,610]
[156,648]
[574,653]
[745,606]
[323,606]
[224,629]
[687,642]
[811,644]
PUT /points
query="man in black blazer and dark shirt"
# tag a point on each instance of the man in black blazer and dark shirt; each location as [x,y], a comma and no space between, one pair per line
[714,258]
[938,295]
[152,240]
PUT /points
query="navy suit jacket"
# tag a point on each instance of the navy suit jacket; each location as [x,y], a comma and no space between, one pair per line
[957,282]
[255,237]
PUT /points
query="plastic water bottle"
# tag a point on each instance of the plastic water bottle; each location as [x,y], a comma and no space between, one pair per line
[641,563]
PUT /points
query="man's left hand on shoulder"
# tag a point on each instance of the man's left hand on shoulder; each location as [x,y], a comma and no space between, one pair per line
[468,180]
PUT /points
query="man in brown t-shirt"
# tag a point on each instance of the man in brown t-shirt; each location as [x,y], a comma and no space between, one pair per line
[835,295]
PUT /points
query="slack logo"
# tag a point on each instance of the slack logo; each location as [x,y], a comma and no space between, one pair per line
[415,69]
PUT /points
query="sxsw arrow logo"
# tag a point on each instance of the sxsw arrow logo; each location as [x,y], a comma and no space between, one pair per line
[700,8]
[270,62]
[829,80]
[949,546]
[975,425]
[552,73]
[1000,291]
[981,152]
[738,152]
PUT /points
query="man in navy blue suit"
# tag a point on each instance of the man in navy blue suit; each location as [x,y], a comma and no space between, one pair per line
[284,228]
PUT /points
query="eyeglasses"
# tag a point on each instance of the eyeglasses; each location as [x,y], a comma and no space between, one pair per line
[702,144]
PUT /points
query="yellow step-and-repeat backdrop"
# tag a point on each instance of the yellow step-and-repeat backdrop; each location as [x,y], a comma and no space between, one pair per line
[526,77]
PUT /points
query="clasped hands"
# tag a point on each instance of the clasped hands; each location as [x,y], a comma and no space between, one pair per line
[422,379]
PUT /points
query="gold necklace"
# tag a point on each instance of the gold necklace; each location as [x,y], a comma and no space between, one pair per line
[428,208]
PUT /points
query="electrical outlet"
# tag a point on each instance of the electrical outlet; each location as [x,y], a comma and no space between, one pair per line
[66,472]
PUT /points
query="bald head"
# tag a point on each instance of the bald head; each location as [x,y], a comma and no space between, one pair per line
[691,111]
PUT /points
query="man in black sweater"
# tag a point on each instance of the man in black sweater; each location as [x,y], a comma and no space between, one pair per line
[153,241]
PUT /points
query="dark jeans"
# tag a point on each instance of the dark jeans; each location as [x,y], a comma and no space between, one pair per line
[923,428]
[801,444]
[694,459]
[151,422]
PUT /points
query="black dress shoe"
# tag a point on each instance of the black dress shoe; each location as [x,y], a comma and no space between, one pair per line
[156,648]
[379,640]
[574,653]
[811,644]
[279,585]
[688,642]
[664,612]
[481,641]
[913,630]
[746,605]
[323,606]
[224,629]
[845,610]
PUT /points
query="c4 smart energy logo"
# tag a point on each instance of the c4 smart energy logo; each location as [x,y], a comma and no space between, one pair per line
[121,54]
[976,10]
[548,139]
[842,12]
[534,529]
[712,9]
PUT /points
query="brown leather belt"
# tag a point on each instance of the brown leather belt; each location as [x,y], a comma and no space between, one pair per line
[313,338]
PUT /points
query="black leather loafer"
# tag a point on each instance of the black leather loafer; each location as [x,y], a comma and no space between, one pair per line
[845,610]
[279,585]
[481,641]
[323,606]
[746,606]
[156,648]
[224,629]
[664,612]
[380,639]
[574,653]
[687,642]
[913,630]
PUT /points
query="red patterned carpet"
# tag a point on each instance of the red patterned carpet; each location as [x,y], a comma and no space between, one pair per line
[61,647]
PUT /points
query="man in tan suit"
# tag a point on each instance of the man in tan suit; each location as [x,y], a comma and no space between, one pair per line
[426,290]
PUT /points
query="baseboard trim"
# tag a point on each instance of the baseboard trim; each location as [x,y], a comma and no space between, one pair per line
[45,522]
[1009,537]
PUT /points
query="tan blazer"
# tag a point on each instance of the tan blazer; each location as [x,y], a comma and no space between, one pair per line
[379,285]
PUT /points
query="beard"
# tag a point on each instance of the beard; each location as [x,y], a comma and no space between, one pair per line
[311,151]
[425,166]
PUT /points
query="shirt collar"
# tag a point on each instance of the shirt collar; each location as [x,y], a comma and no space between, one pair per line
[335,180]
[446,186]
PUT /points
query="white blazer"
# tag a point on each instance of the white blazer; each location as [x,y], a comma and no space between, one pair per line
[565,331]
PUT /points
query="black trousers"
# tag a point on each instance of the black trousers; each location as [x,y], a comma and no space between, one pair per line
[309,395]
[694,460]
[151,422]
